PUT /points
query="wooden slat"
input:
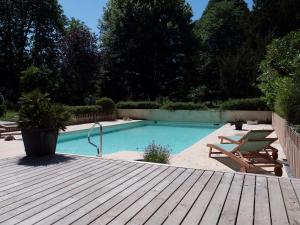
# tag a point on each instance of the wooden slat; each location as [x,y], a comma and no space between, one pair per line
[215,206]
[246,208]
[38,175]
[231,206]
[100,208]
[187,202]
[262,207]
[195,214]
[95,191]
[108,214]
[67,192]
[73,181]
[166,209]
[277,206]
[148,211]
[92,192]
[130,212]
[291,201]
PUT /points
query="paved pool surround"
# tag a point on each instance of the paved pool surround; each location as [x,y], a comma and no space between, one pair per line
[195,156]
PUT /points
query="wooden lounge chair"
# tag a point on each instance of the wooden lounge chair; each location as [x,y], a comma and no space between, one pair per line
[251,135]
[250,154]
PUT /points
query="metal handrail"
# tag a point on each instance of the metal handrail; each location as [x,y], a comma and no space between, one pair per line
[99,148]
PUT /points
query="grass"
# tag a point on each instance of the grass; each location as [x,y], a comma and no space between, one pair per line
[10,115]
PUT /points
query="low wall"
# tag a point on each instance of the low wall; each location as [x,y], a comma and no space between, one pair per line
[208,116]
[290,142]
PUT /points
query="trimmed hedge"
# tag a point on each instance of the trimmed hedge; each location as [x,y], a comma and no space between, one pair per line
[245,104]
[184,106]
[107,105]
[85,109]
[138,105]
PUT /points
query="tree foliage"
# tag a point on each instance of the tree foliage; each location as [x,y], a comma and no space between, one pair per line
[146,47]
[30,32]
[225,58]
[80,64]
[280,78]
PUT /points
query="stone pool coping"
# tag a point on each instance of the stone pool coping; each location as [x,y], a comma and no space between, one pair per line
[195,156]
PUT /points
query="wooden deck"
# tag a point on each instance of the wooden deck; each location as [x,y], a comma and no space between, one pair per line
[82,190]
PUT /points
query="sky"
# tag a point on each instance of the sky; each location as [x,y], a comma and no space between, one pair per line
[90,11]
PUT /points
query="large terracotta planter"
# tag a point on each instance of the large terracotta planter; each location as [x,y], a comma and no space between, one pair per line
[39,142]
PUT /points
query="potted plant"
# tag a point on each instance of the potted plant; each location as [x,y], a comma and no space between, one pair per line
[238,124]
[40,121]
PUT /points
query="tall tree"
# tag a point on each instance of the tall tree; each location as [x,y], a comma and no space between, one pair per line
[80,63]
[225,59]
[30,31]
[147,47]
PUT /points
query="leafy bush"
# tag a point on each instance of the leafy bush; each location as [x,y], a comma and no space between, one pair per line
[157,153]
[84,109]
[107,105]
[287,103]
[245,104]
[138,105]
[2,110]
[1,99]
[281,60]
[37,111]
[184,106]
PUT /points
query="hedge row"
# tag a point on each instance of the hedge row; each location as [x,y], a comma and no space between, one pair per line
[106,105]
[184,106]
[138,105]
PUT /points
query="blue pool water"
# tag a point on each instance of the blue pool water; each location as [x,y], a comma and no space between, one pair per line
[135,137]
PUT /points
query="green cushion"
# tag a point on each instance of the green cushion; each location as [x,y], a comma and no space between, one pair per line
[227,147]
[254,146]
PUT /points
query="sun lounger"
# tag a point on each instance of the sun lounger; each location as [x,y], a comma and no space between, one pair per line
[249,154]
[251,135]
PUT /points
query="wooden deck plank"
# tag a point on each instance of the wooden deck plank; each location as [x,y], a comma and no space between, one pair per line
[231,206]
[38,174]
[187,202]
[74,181]
[92,193]
[131,211]
[173,189]
[68,192]
[262,207]
[246,208]
[88,190]
[291,201]
[214,209]
[22,189]
[277,206]
[166,209]
[99,208]
[195,214]
[108,214]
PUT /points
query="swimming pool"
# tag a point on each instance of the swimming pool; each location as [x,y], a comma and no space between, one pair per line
[135,137]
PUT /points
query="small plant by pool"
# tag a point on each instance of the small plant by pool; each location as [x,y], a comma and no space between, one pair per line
[157,153]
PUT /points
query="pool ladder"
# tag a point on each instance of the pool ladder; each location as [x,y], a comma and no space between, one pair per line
[99,148]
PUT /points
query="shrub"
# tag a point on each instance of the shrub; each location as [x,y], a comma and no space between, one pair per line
[107,105]
[138,105]
[37,111]
[84,109]
[245,104]
[2,110]
[184,106]
[157,153]
[1,99]
[287,103]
